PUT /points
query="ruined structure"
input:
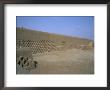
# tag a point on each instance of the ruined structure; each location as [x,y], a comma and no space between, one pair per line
[30,42]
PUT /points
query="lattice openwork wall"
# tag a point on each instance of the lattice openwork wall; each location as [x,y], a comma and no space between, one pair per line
[40,42]
[39,46]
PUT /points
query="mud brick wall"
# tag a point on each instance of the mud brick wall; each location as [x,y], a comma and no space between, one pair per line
[40,42]
[25,52]
[39,46]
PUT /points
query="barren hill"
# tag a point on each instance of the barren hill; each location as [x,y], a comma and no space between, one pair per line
[36,40]
[55,54]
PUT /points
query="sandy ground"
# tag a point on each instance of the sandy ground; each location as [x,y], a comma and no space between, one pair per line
[72,61]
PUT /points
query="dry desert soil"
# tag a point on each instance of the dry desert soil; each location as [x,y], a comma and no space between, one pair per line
[55,54]
[72,61]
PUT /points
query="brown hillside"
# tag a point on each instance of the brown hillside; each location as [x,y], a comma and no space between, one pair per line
[42,41]
[46,53]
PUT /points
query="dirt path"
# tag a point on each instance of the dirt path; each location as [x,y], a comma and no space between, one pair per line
[72,61]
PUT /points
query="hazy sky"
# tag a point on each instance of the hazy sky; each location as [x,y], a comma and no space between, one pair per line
[78,26]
